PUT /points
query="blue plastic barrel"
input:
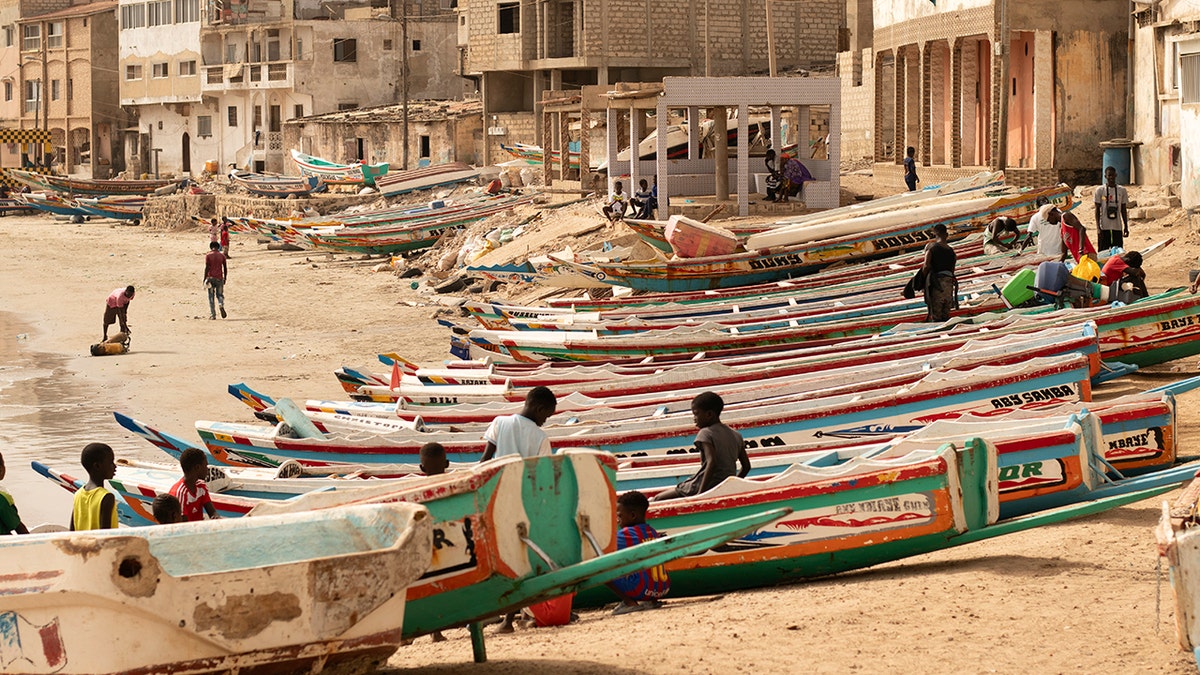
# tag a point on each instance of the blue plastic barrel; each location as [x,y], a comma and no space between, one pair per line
[1119,158]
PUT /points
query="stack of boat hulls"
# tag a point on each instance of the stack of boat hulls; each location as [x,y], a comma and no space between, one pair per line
[873,436]
[79,198]
[83,198]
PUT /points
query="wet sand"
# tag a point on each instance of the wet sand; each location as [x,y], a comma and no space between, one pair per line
[1075,597]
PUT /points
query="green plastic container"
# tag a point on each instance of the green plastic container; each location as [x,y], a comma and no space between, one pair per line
[1017,291]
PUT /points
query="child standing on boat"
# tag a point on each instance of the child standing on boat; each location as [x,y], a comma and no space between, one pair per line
[191,491]
[721,450]
[95,508]
[10,520]
[522,434]
[643,589]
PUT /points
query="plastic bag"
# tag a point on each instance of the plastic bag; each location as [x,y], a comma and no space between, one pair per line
[1086,269]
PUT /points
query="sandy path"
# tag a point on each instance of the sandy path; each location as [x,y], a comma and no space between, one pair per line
[1076,597]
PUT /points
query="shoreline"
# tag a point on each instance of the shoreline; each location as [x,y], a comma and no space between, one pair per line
[1080,595]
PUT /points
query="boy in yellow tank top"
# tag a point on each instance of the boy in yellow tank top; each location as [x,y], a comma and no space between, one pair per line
[95,508]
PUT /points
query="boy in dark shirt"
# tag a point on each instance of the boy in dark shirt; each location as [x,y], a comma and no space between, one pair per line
[642,589]
[721,450]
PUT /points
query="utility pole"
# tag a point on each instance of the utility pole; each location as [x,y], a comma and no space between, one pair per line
[404,75]
[1001,50]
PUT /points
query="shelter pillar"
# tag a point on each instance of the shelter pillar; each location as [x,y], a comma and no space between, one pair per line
[956,104]
[693,121]
[662,176]
[777,139]
[743,160]
[720,115]
[613,118]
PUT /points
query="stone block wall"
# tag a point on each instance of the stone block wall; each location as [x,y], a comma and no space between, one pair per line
[175,212]
[858,104]
[520,127]
[889,177]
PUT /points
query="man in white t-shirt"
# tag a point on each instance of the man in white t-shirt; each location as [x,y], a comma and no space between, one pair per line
[1112,212]
[1047,225]
[522,434]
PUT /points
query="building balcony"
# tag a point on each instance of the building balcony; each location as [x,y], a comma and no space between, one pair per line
[236,76]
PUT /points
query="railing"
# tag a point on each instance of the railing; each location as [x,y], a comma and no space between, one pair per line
[248,76]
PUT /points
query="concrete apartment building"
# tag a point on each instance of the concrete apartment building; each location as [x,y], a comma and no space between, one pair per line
[60,68]
[516,49]
[1030,87]
[1166,96]
[263,62]
[160,83]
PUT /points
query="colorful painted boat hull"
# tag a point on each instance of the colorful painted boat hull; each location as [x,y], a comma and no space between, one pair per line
[338,174]
[851,522]
[81,186]
[754,267]
[252,602]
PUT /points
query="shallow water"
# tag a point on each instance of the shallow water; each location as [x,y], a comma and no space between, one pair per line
[47,415]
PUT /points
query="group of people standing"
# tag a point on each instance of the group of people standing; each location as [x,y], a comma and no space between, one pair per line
[1058,234]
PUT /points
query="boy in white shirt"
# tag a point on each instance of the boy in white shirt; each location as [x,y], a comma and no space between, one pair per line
[522,434]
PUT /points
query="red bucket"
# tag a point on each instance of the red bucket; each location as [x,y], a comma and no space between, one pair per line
[554,612]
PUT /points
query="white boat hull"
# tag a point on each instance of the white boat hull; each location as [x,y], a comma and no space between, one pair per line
[287,594]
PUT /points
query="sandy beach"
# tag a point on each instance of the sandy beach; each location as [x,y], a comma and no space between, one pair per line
[1079,597]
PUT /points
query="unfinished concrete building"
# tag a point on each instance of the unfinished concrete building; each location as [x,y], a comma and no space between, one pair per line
[518,49]
[438,132]
[268,61]
[1028,87]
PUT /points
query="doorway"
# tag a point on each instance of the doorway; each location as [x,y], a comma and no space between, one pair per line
[187,153]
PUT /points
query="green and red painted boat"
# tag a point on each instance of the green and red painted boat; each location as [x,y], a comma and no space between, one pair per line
[851,521]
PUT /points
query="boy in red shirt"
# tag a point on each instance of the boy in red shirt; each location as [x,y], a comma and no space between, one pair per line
[1075,238]
[215,272]
[190,490]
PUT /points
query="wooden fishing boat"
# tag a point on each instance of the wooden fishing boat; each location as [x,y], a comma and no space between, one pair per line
[50,203]
[1047,457]
[117,208]
[41,182]
[424,178]
[13,205]
[533,154]
[1179,542]
[1153,330]
[758,377]
[752,267]
[513,532]
[778,421]
[386,232]
[278,186]
[253,602]
[333,173]
[842,522]
[407,375]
